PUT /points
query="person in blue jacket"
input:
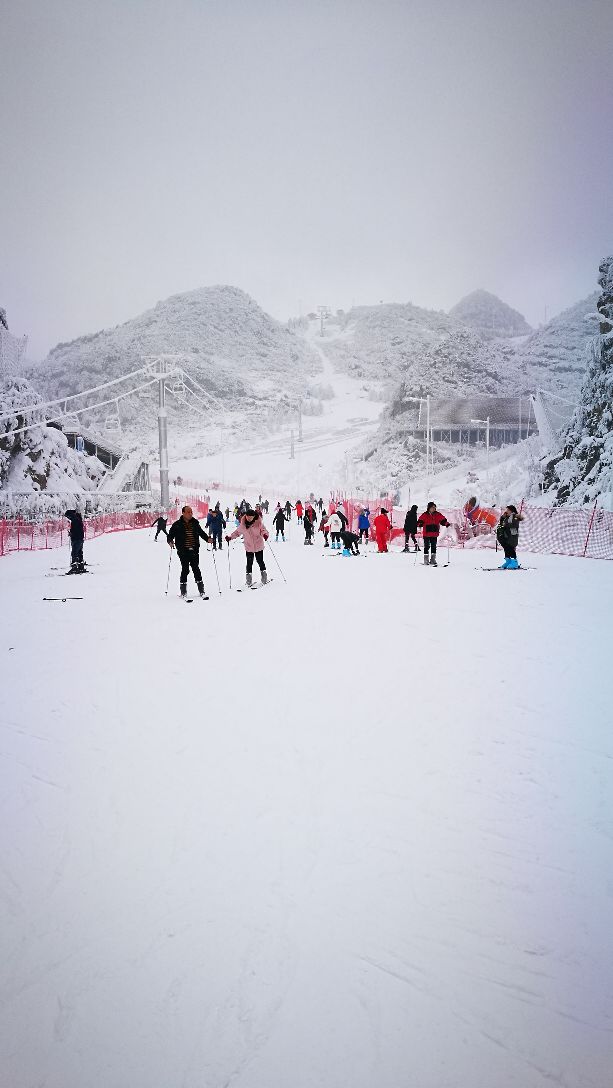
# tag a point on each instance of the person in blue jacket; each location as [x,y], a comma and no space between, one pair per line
[364,525]
[216,523]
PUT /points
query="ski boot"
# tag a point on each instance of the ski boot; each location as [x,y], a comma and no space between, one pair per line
[264,576]
[249,580]
[512,564]
[426,559]
[346,552]
[183,588]
[505,565]
[201,589]
[433,562]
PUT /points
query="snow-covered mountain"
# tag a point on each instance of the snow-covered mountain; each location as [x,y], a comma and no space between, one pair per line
[426,349]
[554,357]
[489,316]
[583,468]
[234,350]
[40,458]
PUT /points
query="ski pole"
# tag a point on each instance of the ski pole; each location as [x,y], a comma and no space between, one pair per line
[168,578]
[277,562]
[216,574]
[229,566]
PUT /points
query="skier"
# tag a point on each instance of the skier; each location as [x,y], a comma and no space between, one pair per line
[255,535]
[77,536]
[279,524]
[324,527]
[161,527]
[410,529]
[320,503]
[383,528]
[335,525]
[227,513]
[507,535]
[350,543]
[186,531]
[217,524]
[288,510]
[364,525]
[299,511]
[431,522]
[309,518]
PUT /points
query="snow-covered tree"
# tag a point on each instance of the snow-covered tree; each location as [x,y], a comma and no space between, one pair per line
[583,469]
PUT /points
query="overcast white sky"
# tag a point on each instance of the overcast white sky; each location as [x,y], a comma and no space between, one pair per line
[331,152]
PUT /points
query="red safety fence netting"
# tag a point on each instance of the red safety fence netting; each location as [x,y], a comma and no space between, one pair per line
[575,531]
[27,536]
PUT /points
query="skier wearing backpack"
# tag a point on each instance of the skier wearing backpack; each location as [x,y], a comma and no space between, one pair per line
[254,534]
[507,535]
[431,521]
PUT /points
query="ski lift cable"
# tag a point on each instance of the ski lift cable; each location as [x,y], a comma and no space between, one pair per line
[74,396]
[74,411]
[205,393]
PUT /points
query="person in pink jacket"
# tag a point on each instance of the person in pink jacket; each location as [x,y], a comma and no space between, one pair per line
[254,534]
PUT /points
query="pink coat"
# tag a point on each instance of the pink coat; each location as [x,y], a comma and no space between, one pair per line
[254,535]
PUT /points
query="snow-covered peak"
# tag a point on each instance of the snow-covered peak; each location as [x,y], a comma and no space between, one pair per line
[490,316]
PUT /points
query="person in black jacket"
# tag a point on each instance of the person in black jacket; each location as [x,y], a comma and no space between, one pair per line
[410,529]
[161,527]
[77,536]
[279,524]
[186,532]
[507,535]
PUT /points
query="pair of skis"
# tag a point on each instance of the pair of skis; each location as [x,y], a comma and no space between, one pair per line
[258,585]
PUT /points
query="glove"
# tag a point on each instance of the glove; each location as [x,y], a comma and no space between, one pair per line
[171,544]
[227,540]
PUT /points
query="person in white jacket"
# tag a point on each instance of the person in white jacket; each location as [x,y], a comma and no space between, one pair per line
[336,525]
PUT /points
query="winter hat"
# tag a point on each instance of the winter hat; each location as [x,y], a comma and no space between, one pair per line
[512,508]
[383,510]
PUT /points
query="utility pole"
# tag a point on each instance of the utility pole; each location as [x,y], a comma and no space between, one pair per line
[292,455]
[485,423]
[163,441]
[300,421]
[428,442]
[324,312]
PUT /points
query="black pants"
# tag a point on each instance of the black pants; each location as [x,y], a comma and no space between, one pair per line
[363,535]
[410,536]
[510,551]
[430,545]
[76,550]
[189,558]
[336,538]
[160,530]
[216,539]
[259,558]
[308,533]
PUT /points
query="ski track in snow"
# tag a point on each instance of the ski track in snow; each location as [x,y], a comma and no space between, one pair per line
[357,830]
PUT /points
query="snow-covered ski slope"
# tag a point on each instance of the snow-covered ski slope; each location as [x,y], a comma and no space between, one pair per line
[355,831]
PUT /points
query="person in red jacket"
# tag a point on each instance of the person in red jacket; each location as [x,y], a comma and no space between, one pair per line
[430,521]
[299,511]
[383,528]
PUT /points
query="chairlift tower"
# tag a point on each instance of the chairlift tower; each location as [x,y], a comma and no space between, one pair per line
[163,367]
[324,312]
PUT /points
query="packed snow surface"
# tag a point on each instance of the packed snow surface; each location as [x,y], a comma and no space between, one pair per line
[355,829]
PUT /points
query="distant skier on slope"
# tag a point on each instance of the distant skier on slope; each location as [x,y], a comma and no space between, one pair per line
[186,532]
[254,534]
[364,525]
[299,511]
[217,523]
[410,529]
[288,510]
[161,527]
[309,521]
[507,535]
[350,543]
[279,524]
[324,527]
[431,521]
[336,525]
[77,536]
[383,527]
